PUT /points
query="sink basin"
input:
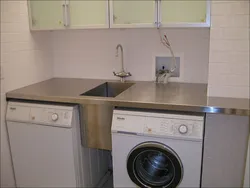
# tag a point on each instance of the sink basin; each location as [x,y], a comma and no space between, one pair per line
[108,89]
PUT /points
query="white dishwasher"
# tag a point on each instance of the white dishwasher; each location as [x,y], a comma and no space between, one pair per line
[45,143]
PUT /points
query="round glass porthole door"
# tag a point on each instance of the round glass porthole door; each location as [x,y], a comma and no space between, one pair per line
[152,164]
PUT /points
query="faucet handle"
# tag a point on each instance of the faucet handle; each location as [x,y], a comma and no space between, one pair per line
[122,75]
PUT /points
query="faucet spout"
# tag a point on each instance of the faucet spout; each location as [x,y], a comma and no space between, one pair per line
[122,74]
[117,50]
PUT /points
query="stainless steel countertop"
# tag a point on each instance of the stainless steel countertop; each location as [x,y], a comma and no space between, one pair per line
[149,95]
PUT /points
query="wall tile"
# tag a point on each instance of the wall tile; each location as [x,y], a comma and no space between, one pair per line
[20,74]
[228,57]
[229,45]
[14,27]
[241,21]
[229,49]
[10,17]
[230,7]
[228,80]
[26,58]
[2,85]
[228,91]
[2,79]
[232,33]
[15,37]
[229,68]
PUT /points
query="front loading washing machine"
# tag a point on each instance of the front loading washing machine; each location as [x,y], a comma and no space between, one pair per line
[156,149]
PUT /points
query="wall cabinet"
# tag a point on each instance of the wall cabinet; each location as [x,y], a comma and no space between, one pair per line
[88,14]
[159,13]
[185,13]
[133,13]
[68,14]
[73,14]
[46,14]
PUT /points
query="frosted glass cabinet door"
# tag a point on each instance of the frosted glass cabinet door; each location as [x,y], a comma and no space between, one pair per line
[132,13]
[88,13]
[183,12]
[46,14]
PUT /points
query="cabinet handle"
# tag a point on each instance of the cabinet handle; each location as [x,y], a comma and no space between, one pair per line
[65,14]
[158,2]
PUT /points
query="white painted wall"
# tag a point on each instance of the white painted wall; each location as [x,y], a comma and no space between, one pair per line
[25,59]
[91,53]
[229,49]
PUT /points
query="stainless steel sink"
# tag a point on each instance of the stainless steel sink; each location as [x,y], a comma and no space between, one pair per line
[108,89]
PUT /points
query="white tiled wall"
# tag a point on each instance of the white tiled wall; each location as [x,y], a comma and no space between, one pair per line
[229,49]
[91,53]
[25,59]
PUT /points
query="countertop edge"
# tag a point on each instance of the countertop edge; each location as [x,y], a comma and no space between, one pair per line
[132,104]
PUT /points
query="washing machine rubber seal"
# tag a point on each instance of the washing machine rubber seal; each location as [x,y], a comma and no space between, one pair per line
[159,147]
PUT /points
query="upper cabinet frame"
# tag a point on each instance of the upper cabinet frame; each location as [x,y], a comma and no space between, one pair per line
[61,15]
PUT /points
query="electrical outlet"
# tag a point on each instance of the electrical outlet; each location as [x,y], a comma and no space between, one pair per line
[167,64]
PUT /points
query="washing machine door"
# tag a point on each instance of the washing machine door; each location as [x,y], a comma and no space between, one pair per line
[152,164]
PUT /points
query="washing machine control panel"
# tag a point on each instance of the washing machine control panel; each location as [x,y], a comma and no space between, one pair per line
[174,127]
[161,125]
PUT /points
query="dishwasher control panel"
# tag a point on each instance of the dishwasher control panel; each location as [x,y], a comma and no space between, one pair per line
[40,114]
[51,116]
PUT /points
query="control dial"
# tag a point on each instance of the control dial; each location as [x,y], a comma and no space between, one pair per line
[54,117]
[183,129]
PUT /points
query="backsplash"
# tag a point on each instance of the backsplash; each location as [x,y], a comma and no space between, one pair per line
[91,53]
[229,49]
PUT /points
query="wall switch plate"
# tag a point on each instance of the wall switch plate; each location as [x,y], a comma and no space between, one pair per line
[167,63]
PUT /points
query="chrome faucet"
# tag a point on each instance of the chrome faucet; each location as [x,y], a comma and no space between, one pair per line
[162,76]
[122,74]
